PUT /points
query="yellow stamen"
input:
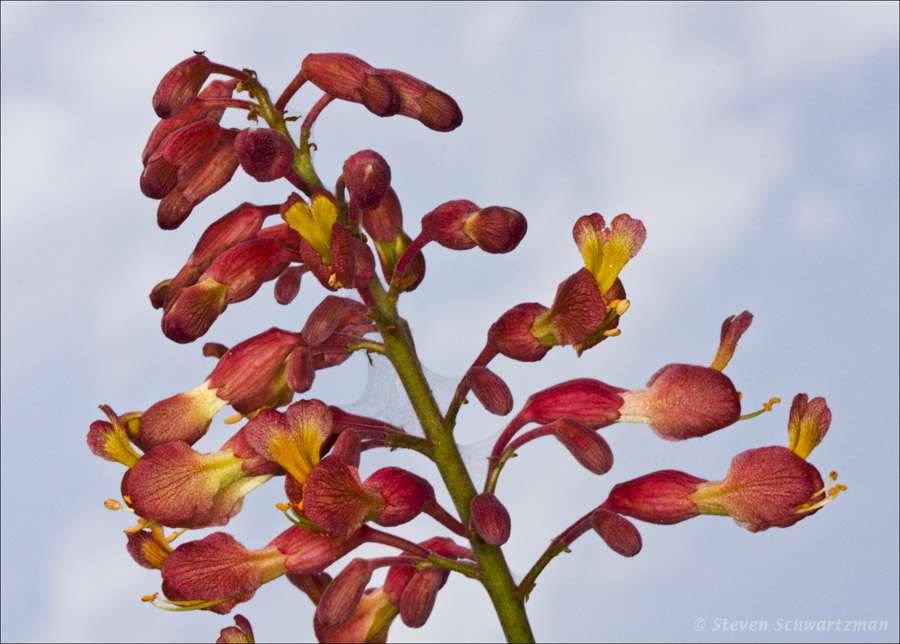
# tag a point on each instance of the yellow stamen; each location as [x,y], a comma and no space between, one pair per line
[830,495]
[610,333]
[112,504]
[622,306]
[767,406]
[231,420]
[150,598]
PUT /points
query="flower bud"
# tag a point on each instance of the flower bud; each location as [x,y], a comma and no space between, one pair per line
[216,170]
[178,156]
[490,390]
[405,494]
[180,86]
[683,401]
[618,532]
[368,178]
[419,100]
[351,79]
[344,592]
[490,519]
[322,320]
[496,229]
[287,286]
[418,597]
[445,224]
[358,627]
[587,446]
[197,110]
[511,334]
[385,221]
[265,154]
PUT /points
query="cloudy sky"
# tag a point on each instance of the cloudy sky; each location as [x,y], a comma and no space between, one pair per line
[757,142]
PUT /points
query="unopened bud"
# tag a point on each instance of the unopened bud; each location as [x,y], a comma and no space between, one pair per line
[490,519]
[511,334]
[351,79]
[344,592]
[265,154]
[618,532]
[405,494]
[368,178]
[180,86]
[384,222]
[490,390]
[445,224]
[419,100]
[496,229]
[587,446]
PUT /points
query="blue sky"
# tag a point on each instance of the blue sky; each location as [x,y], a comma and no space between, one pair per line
[758,143]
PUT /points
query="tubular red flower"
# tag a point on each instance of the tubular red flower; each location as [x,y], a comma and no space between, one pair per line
[660,497]
[592,403]
[577,311]
[683,401]
[764,488]
[181,488]
[419,100]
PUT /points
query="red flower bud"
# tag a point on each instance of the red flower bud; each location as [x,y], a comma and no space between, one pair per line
[368,178]
[178,156]
[287,286]
[587,446]
[216,170]
[265,154]
[418,597]
[496,229]
[194,112]
[445,224]
[405,494]
[421,101]
[511,334]
[490,390]
[618,532]
[490,519]
[180,86]
[343,594]
[384,222]
[351,79]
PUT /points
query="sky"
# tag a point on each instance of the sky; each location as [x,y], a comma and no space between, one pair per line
[758,143]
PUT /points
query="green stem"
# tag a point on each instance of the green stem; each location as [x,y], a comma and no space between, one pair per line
[495,574]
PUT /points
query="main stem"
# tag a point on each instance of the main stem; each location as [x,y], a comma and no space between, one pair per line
[495,575]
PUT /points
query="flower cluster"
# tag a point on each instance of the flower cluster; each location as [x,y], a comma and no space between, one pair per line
[315,449]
